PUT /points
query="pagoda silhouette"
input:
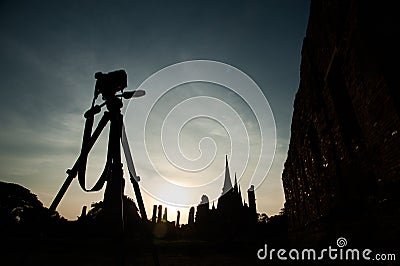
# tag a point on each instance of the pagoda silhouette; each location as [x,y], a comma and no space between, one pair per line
[232,218]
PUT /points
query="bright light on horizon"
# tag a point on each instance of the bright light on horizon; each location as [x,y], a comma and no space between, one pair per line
[195,114]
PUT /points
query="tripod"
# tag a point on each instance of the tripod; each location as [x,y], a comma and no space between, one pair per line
[108,85]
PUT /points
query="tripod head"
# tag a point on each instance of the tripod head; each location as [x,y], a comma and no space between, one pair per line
[108,84]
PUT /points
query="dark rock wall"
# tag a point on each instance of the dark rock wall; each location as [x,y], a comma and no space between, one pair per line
[344,152]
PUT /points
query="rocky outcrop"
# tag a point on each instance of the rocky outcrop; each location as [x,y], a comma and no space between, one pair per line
[342,173]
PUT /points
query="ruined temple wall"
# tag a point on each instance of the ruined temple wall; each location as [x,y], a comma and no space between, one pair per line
[344,151]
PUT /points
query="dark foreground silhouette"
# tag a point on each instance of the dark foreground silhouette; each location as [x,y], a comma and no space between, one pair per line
[34,235]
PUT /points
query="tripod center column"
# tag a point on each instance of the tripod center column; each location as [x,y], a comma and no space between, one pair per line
[113,196]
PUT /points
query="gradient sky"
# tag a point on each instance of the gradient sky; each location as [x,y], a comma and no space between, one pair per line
[50,50]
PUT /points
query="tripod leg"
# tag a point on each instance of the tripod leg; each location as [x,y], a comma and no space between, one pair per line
[134,180]
[132,172]
[61,192]
[139,199]
[74,171]
[113,195]
[149,236]
[113,212]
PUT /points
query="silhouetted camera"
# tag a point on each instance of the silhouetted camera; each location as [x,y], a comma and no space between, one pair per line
[108,84]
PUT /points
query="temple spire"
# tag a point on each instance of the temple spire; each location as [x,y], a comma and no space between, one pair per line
[236,184]
[227,181]
[240,194]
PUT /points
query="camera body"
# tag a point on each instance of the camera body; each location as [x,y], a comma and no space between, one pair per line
[108,84]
